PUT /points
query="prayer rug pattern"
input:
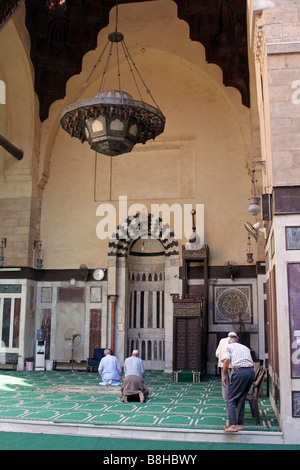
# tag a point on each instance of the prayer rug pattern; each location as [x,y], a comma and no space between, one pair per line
[66,397]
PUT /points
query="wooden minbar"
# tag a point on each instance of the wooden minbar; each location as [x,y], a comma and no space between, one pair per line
[190,315]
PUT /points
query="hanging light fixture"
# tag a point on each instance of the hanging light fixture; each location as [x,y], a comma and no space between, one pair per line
[2,251]
[254,207]
[113,122]
[37,246]
[249,251]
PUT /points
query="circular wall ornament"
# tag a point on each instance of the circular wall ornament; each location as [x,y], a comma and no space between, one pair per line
[233,304]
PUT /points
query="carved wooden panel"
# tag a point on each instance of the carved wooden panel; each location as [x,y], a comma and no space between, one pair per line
[180,343]
[46,326]
[95,330]
[187,344]
[193,352]
[188,310]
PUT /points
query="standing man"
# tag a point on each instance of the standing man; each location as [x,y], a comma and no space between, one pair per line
[239,357]
[220,355]
[109,369]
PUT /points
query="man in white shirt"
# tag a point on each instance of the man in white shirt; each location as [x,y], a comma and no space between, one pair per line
[220,355]
[134,386]
[109,369]
[239,356]
[134,365]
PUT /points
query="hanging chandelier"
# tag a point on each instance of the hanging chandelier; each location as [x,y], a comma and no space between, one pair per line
[254,207]
[113,122]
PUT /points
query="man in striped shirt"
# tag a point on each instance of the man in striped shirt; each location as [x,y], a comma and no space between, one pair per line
[239,357]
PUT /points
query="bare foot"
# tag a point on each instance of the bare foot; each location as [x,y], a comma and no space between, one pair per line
[142,398]
[233,428]
[240,427]
[124,399]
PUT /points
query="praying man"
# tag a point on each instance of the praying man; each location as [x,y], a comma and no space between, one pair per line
[109,369]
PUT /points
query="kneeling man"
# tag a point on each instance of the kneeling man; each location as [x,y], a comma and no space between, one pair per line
[134,386]
[109,369]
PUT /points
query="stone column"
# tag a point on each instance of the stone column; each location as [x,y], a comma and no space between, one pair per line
[278,49]
[113,299]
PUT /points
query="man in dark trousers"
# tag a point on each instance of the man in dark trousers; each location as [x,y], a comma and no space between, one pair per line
[239,357]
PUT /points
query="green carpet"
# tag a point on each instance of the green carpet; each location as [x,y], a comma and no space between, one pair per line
[66,397]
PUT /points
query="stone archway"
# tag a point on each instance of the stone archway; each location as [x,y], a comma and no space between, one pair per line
[152,226]
[144,311]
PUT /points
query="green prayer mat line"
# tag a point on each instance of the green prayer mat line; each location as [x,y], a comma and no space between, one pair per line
[64,397]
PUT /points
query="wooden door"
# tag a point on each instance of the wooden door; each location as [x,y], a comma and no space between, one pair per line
[46,326]
[95,330]
[187,343]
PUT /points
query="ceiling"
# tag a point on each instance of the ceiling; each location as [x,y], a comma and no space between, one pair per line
[60,37]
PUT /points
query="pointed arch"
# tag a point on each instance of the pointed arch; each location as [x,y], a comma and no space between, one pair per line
[121,239]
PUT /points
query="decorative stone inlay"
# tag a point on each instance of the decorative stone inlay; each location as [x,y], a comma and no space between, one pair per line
[232,305]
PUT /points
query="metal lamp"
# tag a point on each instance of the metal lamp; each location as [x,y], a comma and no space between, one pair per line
[2,250]
[113,122]
[254,207]
[249,251]
[39,257]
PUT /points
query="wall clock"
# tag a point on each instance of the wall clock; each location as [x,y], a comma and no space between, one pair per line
[98,274]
